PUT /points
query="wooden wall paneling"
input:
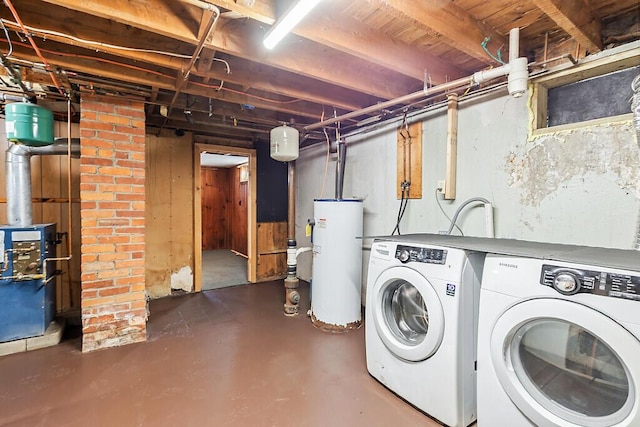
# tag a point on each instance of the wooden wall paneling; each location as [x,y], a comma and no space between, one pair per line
[252,251]
[239,213]
[36,188]
[158,216]
[169,211]
[182,204]
[215,184]
[272,251]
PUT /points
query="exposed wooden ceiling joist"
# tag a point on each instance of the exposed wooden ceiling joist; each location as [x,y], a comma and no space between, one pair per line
[463,32]
[574,17]
[329,27]
[243,39]
[346,55]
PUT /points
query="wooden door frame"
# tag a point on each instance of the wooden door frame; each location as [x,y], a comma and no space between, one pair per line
[252,247]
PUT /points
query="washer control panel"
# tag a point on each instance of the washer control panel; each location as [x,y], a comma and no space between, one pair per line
[569,281]
[420,254]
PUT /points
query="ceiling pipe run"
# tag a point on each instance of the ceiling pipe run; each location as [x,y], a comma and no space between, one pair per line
[27,34]
[208,30]
[516,70]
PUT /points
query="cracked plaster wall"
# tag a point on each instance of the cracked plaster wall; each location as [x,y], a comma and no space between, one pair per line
[578,187]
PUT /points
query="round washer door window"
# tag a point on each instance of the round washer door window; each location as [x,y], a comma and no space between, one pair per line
[408,314]
[563,363]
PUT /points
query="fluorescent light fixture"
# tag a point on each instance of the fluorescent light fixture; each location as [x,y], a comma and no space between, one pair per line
[290,19]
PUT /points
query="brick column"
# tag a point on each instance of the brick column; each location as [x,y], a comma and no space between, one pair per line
[112,195]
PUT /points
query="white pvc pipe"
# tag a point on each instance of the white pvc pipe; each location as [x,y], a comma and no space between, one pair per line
[514,43]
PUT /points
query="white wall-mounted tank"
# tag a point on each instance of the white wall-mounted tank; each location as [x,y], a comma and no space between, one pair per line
[284,143]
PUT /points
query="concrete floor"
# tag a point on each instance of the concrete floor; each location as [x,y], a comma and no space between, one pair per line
[226,357]
[222,268]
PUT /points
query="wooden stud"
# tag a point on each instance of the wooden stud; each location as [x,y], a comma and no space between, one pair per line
[452,147]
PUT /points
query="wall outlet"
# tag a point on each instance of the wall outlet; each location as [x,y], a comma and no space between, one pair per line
[440,187]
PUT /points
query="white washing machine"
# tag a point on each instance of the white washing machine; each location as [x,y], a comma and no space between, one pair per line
[421,324]
[559,342]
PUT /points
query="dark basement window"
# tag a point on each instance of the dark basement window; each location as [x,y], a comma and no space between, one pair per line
[592,98]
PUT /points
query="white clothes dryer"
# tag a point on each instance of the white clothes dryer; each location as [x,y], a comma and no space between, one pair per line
[559,342]
[421,324]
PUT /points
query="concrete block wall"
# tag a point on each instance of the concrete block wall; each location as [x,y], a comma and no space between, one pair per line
[112,193]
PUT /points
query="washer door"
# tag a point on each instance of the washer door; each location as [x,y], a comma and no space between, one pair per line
[565,364]
[407,314]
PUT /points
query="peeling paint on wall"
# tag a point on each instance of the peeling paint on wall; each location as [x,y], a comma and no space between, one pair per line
[548,162]
[183,279]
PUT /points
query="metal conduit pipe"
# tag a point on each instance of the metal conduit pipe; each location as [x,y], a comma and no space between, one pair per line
[635,108]
[18,170]
[291,282]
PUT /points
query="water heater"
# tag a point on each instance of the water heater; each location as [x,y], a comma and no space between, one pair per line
[337,264]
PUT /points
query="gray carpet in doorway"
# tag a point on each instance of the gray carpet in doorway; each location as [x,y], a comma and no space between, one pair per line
[222,268]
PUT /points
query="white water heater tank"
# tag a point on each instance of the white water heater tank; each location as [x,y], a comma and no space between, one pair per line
[284,143]
[337,264]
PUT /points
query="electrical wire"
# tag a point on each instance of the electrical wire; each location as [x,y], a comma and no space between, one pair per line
[108,45]
[6,33]
[54,79]
[445,214]
[101,44]
[158,73]
[401,209]
[484,47]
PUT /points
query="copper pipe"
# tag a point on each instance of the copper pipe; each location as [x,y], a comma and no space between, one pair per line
[69,209]
[35,46]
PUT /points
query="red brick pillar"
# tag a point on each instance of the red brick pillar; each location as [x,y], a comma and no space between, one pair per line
[112,198]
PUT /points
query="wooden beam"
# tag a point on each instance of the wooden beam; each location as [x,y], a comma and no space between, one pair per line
[149,78]
[239,39]
[462,31]
[261,76]
[329,27]
[576,19]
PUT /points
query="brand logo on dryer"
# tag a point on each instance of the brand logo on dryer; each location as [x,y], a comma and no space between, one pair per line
[506,264]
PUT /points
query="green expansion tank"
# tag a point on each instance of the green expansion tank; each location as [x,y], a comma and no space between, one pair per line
[29,124]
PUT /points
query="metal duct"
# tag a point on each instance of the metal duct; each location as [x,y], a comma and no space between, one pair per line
[18,170]
[342,157]
[635,108]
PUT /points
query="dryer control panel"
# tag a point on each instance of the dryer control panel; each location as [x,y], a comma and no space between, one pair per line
[569,281]
[420,254]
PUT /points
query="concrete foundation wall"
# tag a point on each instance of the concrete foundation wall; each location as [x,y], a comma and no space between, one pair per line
[575,187]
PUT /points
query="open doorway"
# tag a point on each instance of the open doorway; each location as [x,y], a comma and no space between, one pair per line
[224,210]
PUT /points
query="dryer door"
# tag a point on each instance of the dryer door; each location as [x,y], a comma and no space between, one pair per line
[565,364]
[407,313]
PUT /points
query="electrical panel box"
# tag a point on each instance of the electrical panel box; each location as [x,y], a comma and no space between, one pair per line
[27,281]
